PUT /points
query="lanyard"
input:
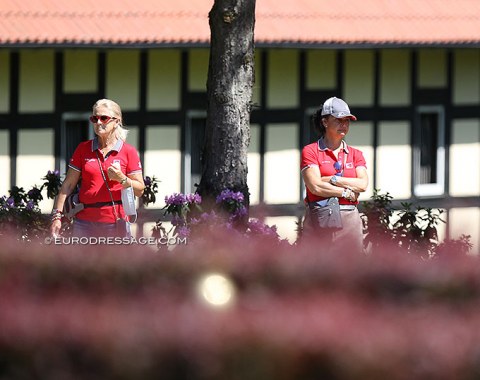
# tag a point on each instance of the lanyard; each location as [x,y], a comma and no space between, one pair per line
[106,184]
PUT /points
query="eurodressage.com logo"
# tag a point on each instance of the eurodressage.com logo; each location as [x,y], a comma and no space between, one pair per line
[73,240]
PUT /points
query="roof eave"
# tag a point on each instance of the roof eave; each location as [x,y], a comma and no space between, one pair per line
[258,44]
[367,44]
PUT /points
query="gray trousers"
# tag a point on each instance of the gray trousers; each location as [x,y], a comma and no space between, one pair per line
[349,238]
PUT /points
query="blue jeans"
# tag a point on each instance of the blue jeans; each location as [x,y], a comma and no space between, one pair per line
[84,228]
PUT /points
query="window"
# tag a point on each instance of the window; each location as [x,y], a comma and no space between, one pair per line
[75,129]
[429,151]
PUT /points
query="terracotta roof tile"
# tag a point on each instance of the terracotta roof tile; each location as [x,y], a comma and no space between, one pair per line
[164,22]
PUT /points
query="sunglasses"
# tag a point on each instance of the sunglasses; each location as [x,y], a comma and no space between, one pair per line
[338,167]
[104,119]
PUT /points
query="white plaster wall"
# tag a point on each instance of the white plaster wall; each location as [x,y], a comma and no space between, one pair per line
[360,136]
[4,163]
[198,69]
[4,81]
[394,174]
[163,160]
[133,135]
[395,77]
[466,76]
[253,162]
[321,70]
[466,221]
[282,164]
[358,86]
[123,78]
[81,71]
[35,158]
[432,68]
[257,88]
[37,84]
[464,164]
[286,226]
[283,79]
[163,83]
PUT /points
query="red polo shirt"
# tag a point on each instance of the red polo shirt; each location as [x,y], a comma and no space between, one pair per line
[317,154]
[93,189]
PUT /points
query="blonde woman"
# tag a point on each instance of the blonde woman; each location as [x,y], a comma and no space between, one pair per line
[105,165]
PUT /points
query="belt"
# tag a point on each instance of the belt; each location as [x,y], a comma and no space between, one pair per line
[324,202]
[101,204]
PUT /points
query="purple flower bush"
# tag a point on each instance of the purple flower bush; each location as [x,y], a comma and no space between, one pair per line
[178,206]
[231,199]
[228,216]
[232,203]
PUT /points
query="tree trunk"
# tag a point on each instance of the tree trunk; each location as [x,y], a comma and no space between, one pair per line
[229,94]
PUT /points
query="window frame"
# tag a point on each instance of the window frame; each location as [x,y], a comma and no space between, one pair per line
[437,188]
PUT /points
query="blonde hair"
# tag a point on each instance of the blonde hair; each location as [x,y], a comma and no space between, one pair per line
[120,131]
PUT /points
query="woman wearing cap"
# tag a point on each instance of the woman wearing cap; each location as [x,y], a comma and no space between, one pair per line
[106,165]
[333,170]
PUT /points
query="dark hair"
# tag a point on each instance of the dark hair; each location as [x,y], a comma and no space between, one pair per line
[317,121]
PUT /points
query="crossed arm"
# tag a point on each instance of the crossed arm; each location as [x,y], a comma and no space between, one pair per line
[322,187]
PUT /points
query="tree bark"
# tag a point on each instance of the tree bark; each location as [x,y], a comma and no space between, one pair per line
[229,94]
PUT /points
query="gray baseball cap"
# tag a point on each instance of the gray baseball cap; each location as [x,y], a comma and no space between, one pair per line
[337,108]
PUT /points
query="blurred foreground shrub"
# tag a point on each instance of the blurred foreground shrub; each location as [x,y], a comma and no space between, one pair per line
[128,312]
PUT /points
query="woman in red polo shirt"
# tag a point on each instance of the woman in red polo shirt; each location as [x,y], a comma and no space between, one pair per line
[334,172]
[105,165]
